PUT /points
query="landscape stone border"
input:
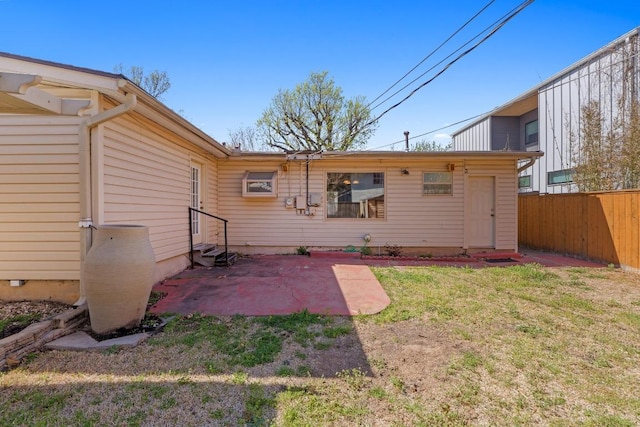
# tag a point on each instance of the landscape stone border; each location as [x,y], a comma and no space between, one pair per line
[14,348]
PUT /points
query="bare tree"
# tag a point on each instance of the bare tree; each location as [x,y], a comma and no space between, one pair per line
[315,116]
[155,83]
[606,151]
[597,156]
[246,139]
[631,147]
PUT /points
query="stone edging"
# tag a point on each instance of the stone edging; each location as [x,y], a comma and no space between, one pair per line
[15,347]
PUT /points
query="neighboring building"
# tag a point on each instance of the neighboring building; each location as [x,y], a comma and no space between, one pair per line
[547,117]
[81,148]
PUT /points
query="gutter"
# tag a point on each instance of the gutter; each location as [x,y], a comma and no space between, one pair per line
[86,196]
[527,165]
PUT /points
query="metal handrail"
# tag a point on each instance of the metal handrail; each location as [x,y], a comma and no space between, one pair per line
[226,249]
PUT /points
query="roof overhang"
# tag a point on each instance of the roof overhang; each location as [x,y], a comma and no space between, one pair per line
[350,156]
[32,86]
[19,94]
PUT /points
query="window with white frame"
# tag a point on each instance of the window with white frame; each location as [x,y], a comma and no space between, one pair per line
[437,183]
[260,184]
[355,195]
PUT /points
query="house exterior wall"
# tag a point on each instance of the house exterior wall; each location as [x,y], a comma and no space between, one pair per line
[414,221]
[505,133]
[140,175]
[474,138]
[146,180]
[39,200]
[39,206]
[506,202]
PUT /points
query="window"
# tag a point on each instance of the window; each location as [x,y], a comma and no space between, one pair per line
[524,181]
[260,184]
[560,177]
[437,183]
[531,133]
[355,195]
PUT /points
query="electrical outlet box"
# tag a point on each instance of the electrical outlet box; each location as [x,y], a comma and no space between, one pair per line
[301,202]
[315,199]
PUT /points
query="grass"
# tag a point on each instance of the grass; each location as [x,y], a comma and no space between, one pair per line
[16,323]
[542,344]
[520,345]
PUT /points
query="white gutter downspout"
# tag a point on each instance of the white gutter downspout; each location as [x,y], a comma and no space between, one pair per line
[86,196]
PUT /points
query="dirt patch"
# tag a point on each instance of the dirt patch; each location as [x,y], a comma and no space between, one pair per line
[15,316]
[412,350]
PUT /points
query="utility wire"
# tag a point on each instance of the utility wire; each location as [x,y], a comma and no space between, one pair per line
[432,52]
[552,86]
[463,54]
[445,58]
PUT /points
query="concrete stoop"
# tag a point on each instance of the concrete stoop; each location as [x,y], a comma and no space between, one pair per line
[34,337]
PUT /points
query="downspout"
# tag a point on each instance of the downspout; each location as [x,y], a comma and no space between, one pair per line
[530,163]
[86,196]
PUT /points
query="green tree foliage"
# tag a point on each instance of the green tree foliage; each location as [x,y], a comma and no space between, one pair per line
[424,145]
[155,83]
[316,116]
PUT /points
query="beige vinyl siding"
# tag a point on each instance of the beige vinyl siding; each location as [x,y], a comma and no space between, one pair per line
[214,229]
[147,181]
[411,218]
[39,198]
[506,202]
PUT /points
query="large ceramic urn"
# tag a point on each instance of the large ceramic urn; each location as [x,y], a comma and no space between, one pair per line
[119,274]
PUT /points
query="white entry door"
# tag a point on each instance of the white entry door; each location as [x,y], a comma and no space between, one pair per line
[196,203]
[482,212]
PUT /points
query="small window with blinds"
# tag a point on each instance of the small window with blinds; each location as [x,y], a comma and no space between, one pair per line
[434,183]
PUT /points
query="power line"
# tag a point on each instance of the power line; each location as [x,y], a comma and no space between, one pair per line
[432,52]
[350,153]
[463,54]
[445,58]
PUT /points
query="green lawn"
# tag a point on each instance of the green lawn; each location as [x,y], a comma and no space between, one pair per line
[514,346]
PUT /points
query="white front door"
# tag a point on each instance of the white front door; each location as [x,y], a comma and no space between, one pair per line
[482,212]
[196,203]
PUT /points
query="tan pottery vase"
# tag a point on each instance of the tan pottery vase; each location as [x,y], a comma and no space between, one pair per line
[119,275]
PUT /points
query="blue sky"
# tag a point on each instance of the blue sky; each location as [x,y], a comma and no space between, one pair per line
[227,59]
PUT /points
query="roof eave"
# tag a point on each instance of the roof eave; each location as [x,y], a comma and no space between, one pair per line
[382,155]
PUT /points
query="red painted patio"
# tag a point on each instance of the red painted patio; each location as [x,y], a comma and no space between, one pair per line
[275,285]
[333,283]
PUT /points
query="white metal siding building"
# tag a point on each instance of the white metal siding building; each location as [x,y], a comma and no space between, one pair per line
[548,116]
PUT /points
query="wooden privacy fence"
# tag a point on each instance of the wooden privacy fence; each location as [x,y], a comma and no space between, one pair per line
[598,226]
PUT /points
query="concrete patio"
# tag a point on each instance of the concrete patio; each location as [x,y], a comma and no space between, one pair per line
[335,283]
